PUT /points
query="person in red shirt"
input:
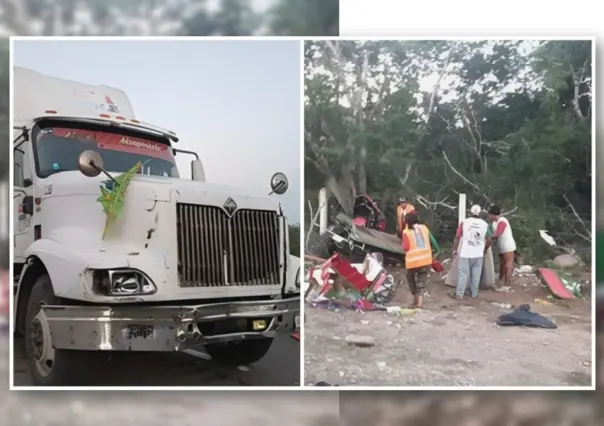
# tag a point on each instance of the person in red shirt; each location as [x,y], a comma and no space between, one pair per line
[504,239]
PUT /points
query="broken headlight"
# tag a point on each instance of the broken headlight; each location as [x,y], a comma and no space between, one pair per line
[122,282]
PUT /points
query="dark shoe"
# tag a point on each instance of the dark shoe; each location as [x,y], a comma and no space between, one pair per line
[455,296]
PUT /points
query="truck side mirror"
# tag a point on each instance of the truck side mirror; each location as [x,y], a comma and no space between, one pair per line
[279,184]
[90,163]
[197,171]
[27,206]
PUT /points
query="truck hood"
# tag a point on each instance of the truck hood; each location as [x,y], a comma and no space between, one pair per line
[155,188]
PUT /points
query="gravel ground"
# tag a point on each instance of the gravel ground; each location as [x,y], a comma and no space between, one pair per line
[451,343]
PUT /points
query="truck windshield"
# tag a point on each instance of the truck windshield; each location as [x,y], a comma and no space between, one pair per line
[58,149]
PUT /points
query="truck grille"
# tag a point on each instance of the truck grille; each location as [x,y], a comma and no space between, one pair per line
[216,250]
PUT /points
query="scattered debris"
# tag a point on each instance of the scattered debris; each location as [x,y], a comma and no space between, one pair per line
[360,341]
[551,279]
[525,269]
[523,316]
[397,310]
[572,285]
[547,238]
[364,287]
[544,302]
[502,305]
[504,289]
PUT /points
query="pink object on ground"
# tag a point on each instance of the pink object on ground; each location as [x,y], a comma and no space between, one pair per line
[555,285]
[350,273]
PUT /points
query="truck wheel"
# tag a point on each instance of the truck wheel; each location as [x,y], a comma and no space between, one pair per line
[240,353]
[48,366]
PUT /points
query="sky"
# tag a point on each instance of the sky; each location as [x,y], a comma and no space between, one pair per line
[234,102]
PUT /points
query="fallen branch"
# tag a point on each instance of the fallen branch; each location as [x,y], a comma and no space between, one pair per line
[432,204]
[509,212]
[577,216]
[466,180]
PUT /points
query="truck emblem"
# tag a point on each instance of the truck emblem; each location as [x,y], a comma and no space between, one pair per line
[111,107]
[230,206]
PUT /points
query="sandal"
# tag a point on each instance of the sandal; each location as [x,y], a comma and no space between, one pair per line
[455,296]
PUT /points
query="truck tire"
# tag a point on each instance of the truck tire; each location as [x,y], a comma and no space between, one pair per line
[240,353]
[47,366]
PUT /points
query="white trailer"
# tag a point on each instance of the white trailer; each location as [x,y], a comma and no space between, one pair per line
[186,263]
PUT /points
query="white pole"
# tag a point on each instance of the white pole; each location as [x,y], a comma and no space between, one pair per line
[462,207]
[323,211]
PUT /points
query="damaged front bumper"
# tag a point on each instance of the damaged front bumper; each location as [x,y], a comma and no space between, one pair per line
[164,328]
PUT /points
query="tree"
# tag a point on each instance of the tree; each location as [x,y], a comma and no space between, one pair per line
[505,122]
[305,17]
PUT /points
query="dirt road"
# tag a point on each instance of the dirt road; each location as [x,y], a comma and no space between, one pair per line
[452,343]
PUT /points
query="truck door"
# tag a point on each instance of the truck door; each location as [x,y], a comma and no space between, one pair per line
[23,195]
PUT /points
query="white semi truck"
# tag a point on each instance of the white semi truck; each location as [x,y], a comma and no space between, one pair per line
[186,264]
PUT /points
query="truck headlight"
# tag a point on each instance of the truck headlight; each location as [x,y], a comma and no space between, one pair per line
[298,279]
[122,282]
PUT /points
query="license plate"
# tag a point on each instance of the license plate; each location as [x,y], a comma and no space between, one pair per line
[258,325]
[139,331]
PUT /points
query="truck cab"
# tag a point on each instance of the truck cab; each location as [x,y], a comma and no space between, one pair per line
[158,263]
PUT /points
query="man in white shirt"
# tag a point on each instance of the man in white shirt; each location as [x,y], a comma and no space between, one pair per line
[474,234]
[502,234]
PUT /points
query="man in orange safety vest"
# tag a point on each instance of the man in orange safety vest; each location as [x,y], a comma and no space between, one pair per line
[419,245]
[402,210]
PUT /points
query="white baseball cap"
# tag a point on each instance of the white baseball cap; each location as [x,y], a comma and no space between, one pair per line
[476,209]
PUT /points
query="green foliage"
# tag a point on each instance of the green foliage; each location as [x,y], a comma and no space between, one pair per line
[112,198]
[504,122]
[305,17]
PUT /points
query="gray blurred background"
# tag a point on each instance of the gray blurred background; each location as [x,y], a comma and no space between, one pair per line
[169,17]
[144,18]
[188,17]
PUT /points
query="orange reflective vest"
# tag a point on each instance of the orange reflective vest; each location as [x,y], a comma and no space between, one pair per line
[401,213]
[417,257]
